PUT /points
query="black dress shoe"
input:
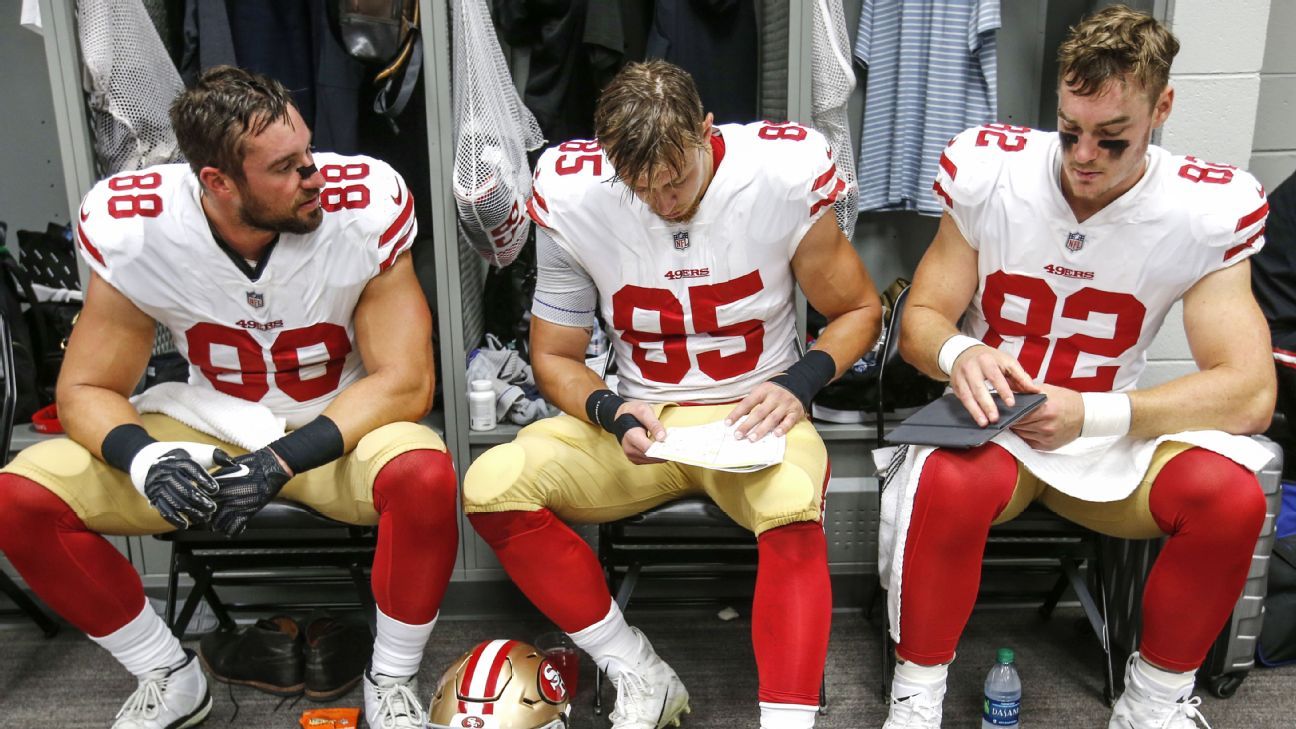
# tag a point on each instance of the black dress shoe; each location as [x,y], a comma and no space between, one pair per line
[337,652]
[266,656]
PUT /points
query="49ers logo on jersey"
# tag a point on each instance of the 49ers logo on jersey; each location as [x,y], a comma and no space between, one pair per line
[687,273]
[473,722]
[552,688]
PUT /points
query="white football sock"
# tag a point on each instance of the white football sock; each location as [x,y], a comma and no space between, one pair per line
[915,675]
[611,643]
[1170,683]
[398,648]
[144,644]
[787,716]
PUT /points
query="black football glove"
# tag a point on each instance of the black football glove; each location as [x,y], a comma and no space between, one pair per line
[180,489]
[247,483]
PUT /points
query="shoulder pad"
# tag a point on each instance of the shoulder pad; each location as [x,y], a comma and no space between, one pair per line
[1227,205]
[370,201]
[564,176]
[973,161]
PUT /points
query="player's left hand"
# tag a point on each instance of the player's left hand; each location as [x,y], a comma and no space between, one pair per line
[247,484]
[1055,423]
[769,408]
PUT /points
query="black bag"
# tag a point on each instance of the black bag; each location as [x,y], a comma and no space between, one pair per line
[385,34]
[48,260]
[24,373]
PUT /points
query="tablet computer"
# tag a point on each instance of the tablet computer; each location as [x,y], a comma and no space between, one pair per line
[947,424]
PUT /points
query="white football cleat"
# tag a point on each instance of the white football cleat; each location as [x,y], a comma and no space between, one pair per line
[1146,705]
[649,695]
[915,706]
[174,697]
[391,703]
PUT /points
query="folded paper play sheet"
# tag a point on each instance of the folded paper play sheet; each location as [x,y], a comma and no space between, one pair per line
[714,446]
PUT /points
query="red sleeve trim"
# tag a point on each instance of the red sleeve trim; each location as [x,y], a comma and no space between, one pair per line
[85,243]
[533,214]
[535,195]
[397,249]
[398,224]
[940,191]
[832,197]
[950,168]
[1242,246]
[825,178]
[1251,218]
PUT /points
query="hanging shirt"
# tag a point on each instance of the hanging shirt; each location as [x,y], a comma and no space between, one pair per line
[931,74]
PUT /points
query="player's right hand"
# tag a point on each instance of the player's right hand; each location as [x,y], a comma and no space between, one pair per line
[173,477]
[981,367]
[636,440]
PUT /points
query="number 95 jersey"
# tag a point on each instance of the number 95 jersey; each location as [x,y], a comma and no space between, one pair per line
[280,333]
[702,311]
[1078,303]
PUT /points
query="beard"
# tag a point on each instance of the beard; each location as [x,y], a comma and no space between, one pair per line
[256,214]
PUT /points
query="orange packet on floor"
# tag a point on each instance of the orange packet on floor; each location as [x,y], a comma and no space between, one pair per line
[330,719]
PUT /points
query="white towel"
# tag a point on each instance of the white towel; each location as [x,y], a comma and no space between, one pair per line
[1092,469]
[245,424]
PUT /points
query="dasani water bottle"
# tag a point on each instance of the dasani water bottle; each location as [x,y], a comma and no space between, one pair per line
[1002,693]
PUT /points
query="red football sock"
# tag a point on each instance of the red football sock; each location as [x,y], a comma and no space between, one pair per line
[418,534]
[78,573]
[959,494]
[792,613]
[553,567]
[1213,509]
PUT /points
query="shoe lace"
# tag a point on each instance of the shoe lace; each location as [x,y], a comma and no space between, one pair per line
[397,707]
[147,700]
[1185,711]
[633,690]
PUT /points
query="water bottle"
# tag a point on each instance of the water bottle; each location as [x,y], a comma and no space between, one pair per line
[1002,693]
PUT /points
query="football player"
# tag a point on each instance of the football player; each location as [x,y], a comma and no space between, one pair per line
[282,275]
[689,239]
[1063,253]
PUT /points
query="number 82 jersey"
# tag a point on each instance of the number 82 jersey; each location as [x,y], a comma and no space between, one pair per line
[1078,303]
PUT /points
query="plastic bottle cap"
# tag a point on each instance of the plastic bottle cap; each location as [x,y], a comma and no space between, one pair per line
[1005,655]
[480,386]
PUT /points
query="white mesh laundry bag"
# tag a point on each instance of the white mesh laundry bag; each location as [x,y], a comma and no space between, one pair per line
[130,84]
[832,80]
[493,132]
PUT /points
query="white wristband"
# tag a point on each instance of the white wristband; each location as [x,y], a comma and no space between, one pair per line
[202,454]
[1105,414]
[952,348]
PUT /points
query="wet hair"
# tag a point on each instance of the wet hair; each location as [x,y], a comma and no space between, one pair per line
[648,119]
[1117,44]
[214,118]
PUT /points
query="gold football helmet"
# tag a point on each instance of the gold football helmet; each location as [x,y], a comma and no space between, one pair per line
[500,684]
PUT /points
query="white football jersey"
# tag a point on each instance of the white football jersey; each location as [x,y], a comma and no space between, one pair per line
[701,311]
[1079,303]
[281,333]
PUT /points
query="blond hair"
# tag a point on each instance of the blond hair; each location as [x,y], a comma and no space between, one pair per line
[1116,44]
[648,119]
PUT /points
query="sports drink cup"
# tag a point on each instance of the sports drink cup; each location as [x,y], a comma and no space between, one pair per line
[564,655]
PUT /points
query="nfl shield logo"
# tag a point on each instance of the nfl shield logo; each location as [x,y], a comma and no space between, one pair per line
[1075,242]
[681,240]
[255,299]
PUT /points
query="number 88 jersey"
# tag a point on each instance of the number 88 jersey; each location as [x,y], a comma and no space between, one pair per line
[281,332]
[702,311]
[1078,303]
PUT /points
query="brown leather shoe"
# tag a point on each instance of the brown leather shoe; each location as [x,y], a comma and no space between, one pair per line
[266,656]
[337,652]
